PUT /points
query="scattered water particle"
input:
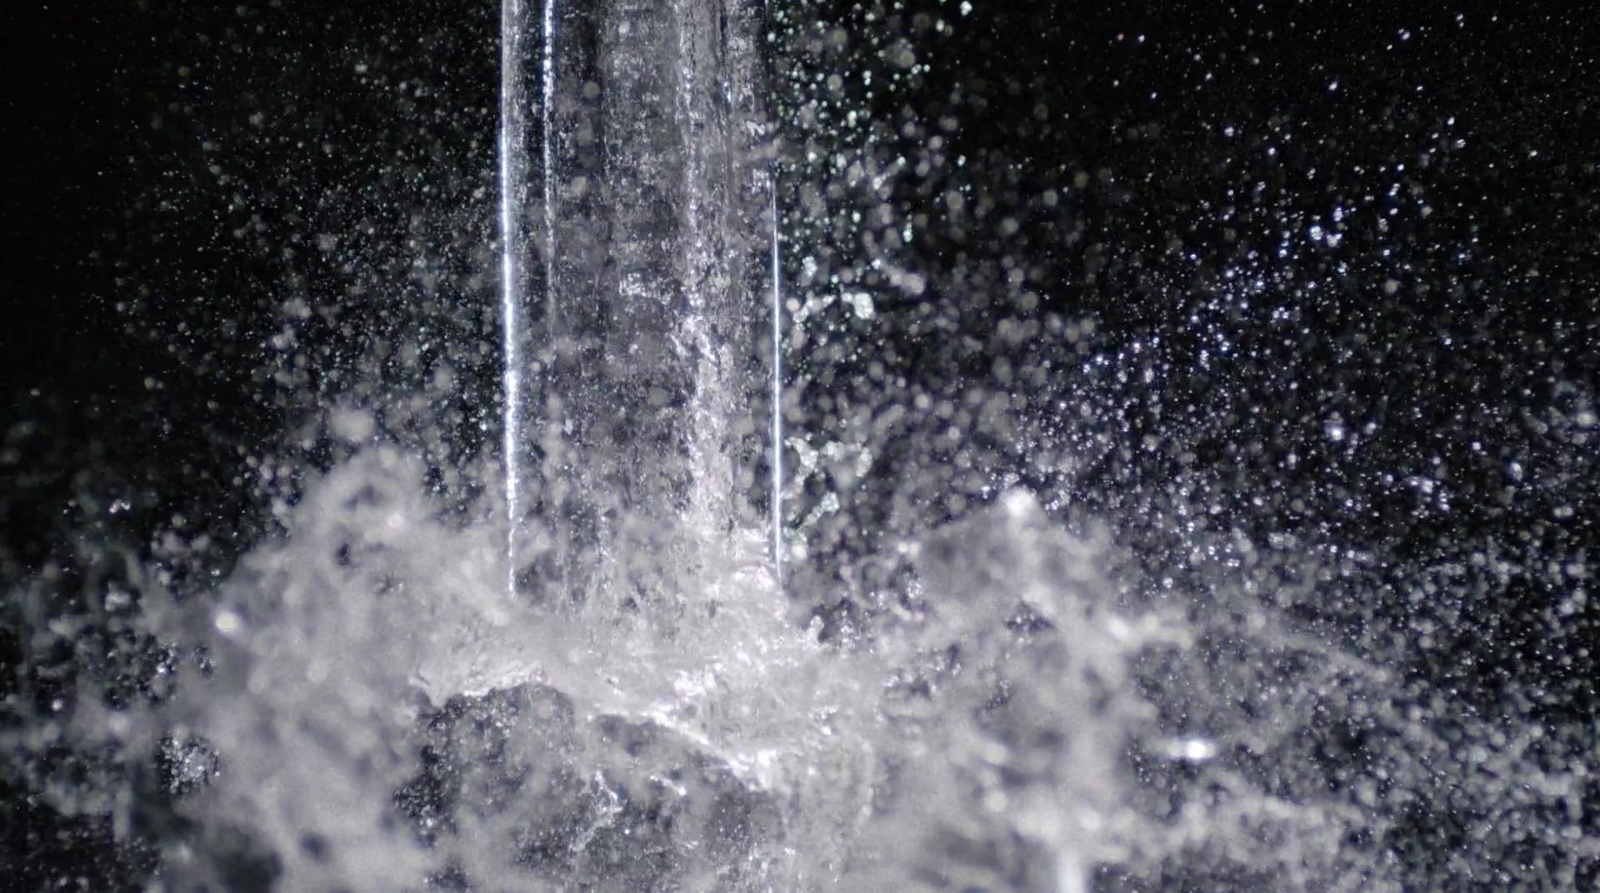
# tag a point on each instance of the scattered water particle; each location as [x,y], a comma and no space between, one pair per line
[228,623]
[1334,429]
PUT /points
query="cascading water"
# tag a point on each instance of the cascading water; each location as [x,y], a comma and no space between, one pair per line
[1104,554]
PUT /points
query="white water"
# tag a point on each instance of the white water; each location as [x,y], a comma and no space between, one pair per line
[328,657]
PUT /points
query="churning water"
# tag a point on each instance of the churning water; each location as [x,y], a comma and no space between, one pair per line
[861,496]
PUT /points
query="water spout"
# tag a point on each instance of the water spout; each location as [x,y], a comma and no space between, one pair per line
[625,376]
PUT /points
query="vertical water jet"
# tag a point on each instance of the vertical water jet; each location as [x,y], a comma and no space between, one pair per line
[627,380]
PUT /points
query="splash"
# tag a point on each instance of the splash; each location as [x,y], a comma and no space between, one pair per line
[378,714]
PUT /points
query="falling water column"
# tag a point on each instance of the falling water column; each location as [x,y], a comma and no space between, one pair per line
[650,238]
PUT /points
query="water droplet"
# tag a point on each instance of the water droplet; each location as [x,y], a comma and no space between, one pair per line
[1334,428]
[228,623]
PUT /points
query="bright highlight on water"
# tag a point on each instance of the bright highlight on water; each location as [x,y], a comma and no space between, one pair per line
[513,124]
